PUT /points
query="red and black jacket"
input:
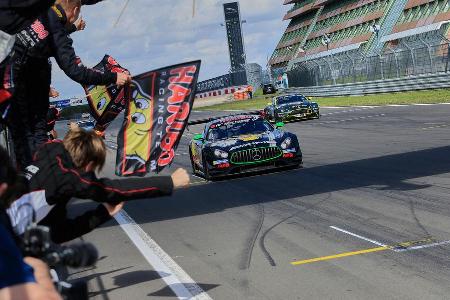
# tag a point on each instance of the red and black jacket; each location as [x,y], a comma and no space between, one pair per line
[48,37]
[53,171]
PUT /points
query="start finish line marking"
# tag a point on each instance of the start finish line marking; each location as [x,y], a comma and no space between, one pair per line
[400,247]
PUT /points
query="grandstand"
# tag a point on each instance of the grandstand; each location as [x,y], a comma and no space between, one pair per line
[330,42]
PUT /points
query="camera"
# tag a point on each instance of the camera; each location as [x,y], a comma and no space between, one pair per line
[37,243]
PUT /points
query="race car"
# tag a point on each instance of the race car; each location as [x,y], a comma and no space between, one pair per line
[291,107]
[87,125]
[242,143]
[268,88]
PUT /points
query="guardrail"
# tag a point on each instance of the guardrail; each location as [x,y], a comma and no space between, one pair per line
[421,82]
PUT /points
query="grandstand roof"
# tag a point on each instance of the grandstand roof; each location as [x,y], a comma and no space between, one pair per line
[348,24]
[414,31]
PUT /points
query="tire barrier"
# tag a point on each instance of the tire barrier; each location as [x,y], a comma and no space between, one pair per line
[240,95]
[220,92]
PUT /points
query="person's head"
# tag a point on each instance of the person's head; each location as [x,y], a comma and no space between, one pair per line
[8,179]
[87,149]
[72,9]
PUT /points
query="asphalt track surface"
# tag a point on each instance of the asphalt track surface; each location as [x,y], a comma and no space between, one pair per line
[373,178]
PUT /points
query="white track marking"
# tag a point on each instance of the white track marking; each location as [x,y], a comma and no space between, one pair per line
[177,280]
[436,126]
[349,120]
[392,248]
[359,236]
[422,246]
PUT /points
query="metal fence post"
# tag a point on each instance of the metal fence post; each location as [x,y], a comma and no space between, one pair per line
[332,69]
[353,66]
[448,57]
[316,78]
[381,66]
[396,61]
[429,54]
[412,56]
[340,66]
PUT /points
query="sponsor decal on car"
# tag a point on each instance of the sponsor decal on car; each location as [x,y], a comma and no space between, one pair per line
[224,143]
[291,150]
[219,162]
[248,138]
[268,143]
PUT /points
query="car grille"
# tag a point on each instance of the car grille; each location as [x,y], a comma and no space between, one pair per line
[255,155]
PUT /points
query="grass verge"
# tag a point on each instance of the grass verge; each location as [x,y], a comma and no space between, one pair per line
[414,97]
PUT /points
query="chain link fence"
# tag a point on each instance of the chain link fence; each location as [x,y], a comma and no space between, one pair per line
[354,66]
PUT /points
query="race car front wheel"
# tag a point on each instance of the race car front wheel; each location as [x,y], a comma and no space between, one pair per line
[194,168]
[206,174]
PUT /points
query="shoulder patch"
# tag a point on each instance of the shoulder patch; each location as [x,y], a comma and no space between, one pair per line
[57,11]
[30,171]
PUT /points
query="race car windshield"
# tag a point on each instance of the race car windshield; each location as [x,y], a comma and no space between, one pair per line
[290,99]
[86,125]
[228,130]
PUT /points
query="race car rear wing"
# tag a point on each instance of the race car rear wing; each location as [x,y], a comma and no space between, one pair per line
[207,120]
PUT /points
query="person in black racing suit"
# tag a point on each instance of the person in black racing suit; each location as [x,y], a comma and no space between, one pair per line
[15,15]
[67,169]
[44,38]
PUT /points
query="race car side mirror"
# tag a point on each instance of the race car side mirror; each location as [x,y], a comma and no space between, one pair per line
[279,125]
[198,137]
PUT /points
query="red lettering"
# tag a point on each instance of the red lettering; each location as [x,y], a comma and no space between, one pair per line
[182,75]
[166,158]
[178,112]
[39,29]
[169,140]
[117,70]
[179,93]
[176,126]
[112,61]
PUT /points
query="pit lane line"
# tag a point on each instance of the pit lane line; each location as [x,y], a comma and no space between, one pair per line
[178,280]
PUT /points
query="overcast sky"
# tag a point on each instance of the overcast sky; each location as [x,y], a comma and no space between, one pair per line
[157,33]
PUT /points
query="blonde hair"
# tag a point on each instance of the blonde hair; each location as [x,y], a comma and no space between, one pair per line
[85,147]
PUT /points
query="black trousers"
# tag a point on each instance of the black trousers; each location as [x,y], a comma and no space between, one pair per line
[28,111]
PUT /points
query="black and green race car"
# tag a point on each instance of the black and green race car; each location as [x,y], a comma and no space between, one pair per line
[242,143]
[291,107]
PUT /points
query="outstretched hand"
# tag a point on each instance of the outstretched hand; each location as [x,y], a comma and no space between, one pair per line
[113,209]
[53,93]
[122,79]
[180,178]
[80,24]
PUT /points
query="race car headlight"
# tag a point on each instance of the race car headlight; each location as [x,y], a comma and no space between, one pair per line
[286,143]
[220,153]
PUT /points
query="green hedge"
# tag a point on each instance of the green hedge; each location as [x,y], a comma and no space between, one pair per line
[72,111]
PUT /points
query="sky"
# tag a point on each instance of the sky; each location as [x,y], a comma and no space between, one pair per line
[157,33]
